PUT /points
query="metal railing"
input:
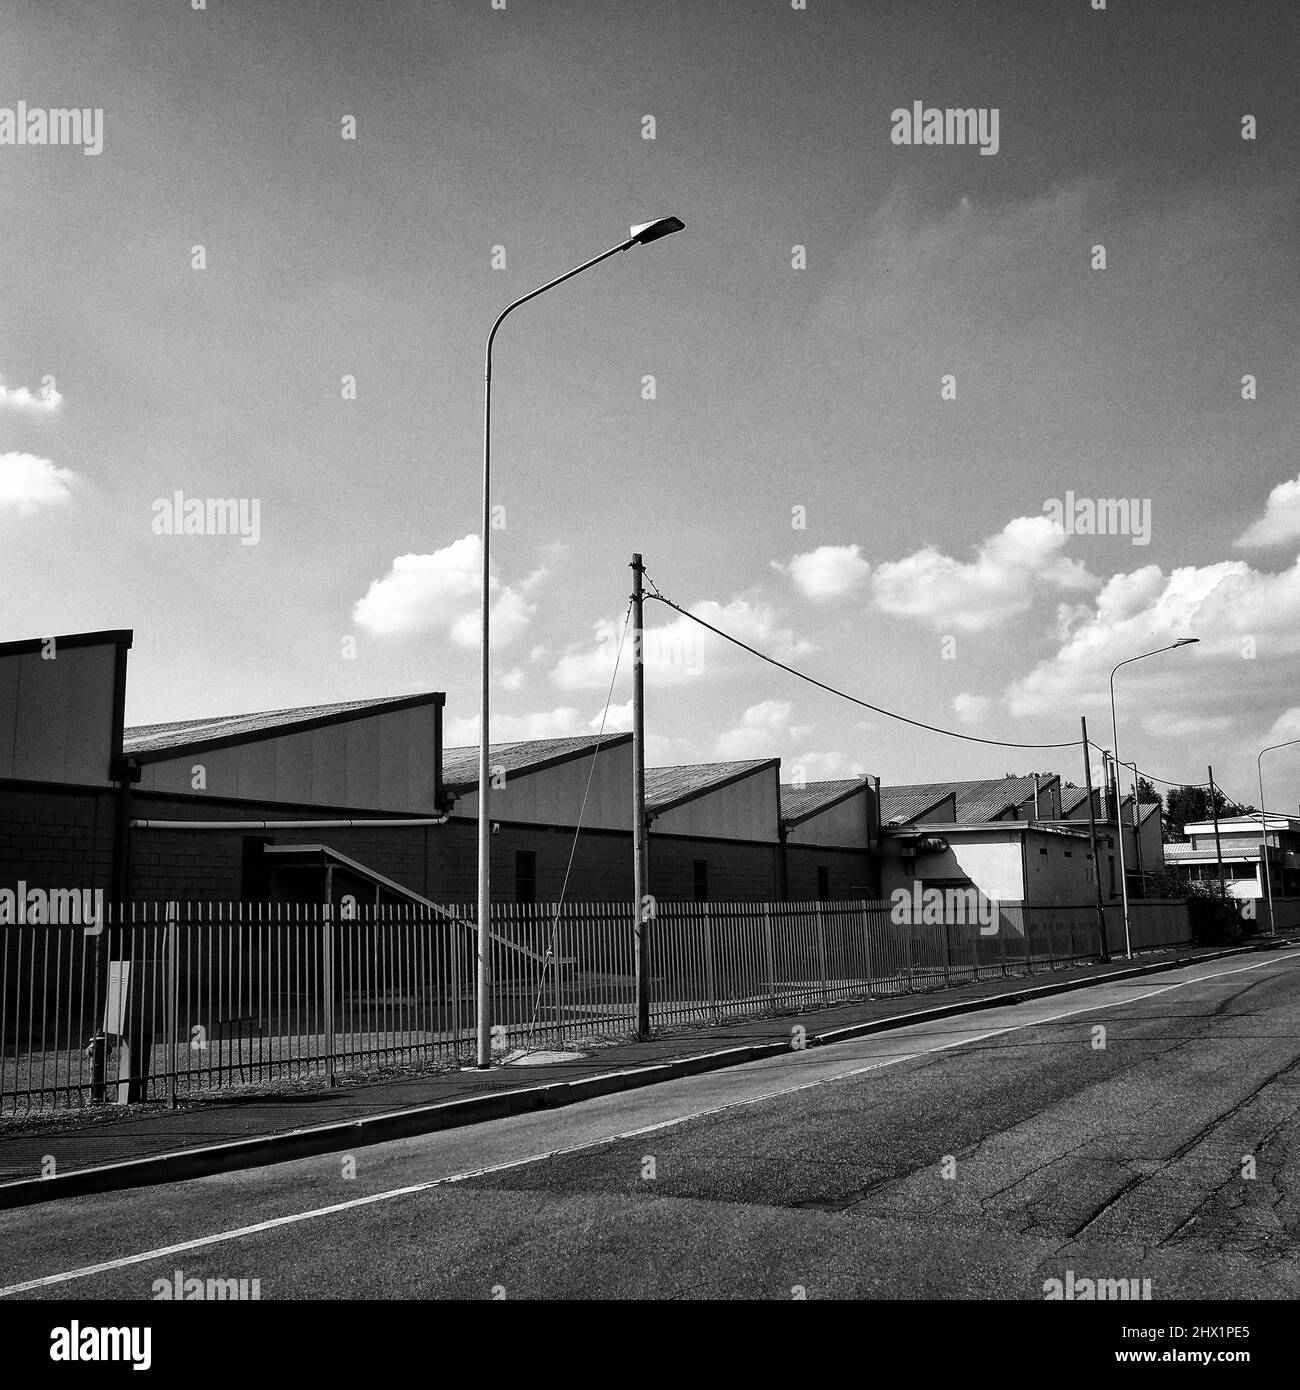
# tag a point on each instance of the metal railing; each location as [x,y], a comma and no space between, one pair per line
[169,1001]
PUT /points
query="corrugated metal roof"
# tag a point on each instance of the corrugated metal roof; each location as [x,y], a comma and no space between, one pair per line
[812,796]
[909,802]
[150,738]
[665,786]
[460,765]
[1072,797]
[977,801]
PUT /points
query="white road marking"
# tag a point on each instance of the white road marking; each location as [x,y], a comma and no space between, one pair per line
[237,1234]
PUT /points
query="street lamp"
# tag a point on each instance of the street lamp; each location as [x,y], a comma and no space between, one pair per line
[640,235]
[1263,827]
[1114,734]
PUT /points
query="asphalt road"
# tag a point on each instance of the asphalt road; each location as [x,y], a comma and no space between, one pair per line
[976,1157]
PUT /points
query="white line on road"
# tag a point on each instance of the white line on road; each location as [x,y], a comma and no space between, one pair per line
[237,1234]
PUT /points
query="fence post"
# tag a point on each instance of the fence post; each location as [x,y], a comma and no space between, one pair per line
[553,948]
[866,945]
[821,952]
[710,975]
[327,985]
[769,953]
[171,1006]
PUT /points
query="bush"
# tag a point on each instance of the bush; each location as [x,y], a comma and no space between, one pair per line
[1216,917]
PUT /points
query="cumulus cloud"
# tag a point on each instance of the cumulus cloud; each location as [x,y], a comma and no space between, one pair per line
[564,722]
[441,590]
[1009,569]
[761,729]
[46,400]
[680,651]
[617,721]
[830,571]
[1236,611]
[971,709]
[1281,520]
[820,766]
[1163,725]
[28,483]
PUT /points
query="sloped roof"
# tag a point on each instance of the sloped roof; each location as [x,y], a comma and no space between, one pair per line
[977,801]
[1072,798]
[910,802]
[799,802]
[666,787]
[149,742]
[460,765]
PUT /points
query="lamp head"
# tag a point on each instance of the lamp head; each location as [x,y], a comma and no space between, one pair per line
[646,232]
[1186,641]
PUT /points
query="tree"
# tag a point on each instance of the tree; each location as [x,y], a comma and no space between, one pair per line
[1184,804]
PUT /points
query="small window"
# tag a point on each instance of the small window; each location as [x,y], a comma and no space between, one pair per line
[701,868]
[525,876]
[823,882]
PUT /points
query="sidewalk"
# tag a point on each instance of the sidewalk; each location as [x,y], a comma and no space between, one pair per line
[227,1132]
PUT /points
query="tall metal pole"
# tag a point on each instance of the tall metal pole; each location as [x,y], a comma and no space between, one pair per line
[1218,844]
[1114,733]
[1137,833]
[1263,842]
[1263,821]
[640,874]
[1092,836]
[1119,819]
[651,231]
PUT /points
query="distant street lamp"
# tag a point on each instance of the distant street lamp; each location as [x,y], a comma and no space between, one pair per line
[1114,734]
[640,235]
[1263,827]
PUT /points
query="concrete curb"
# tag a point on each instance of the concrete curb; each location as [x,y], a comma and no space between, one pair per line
[286,1146]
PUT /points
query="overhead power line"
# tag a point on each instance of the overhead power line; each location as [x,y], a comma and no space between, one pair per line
[843,694]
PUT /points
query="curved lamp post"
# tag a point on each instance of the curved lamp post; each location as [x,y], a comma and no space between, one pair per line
[1114,734]
[640,235]
[1263,827]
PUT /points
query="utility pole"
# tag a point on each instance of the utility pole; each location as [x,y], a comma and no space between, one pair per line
[640,876]
[1092,835]
[1137,834]
[1218,845]
[1112,778]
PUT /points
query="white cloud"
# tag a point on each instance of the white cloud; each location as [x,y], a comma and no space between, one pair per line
[564,722]
[679,651]
[1281,519]
[46,400]
[971,709]
[816,766]
[761,729]
[423,592]
[830,571]
[617,721]
[1236,612]
[512,680]
[1285,726]
[28,483]
[1187,726]
[1001,582]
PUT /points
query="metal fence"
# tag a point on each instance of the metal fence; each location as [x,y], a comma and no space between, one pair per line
[167,1001]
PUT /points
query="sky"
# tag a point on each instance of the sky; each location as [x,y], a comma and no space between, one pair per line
[858,414]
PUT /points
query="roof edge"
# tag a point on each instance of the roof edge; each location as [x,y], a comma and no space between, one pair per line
[117,636]
[297,726]
[603,742]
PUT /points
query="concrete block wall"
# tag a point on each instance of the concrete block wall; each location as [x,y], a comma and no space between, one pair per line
[56,837]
